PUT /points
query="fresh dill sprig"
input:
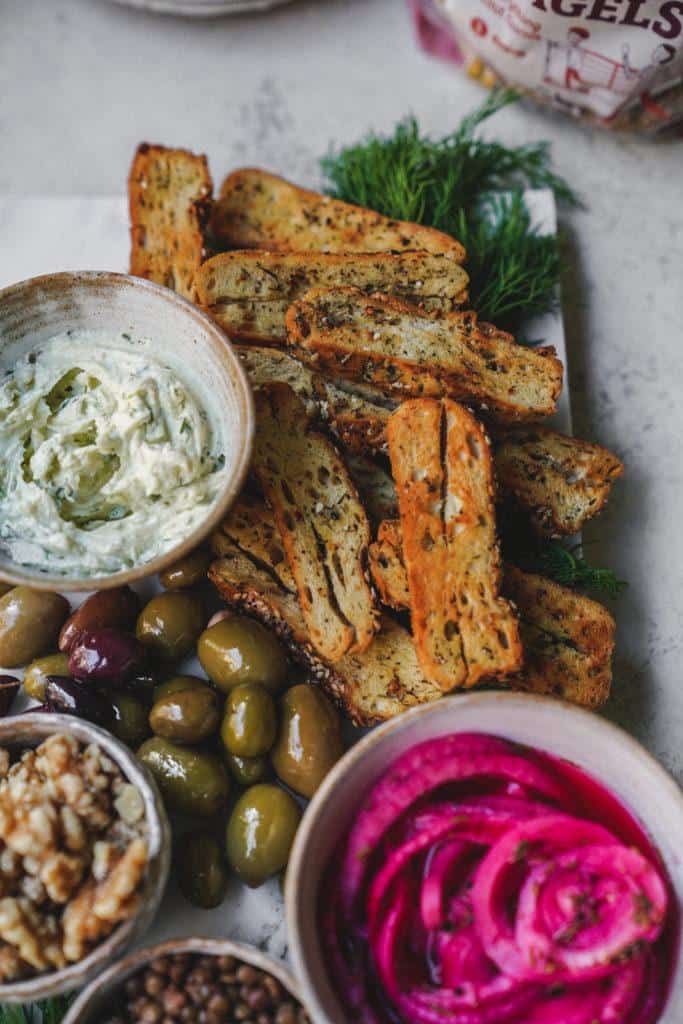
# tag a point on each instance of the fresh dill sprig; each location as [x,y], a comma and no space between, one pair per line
[569,567]
[449,184]
[47,1011]
[513,268]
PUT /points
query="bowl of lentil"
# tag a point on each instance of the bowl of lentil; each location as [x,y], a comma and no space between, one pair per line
[192,981]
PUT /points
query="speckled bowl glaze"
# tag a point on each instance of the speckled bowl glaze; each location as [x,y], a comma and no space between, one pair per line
[170,330]
[95,999]
[30,730]
[202,8]
[601,749]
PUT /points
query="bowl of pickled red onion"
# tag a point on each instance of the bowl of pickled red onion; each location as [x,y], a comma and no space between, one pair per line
[493,858]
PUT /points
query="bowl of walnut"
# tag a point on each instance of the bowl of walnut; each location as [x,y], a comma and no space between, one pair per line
[84,853]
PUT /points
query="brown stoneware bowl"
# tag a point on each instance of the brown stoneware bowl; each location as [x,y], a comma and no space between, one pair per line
[95,1000]
[23,731]
[168,329]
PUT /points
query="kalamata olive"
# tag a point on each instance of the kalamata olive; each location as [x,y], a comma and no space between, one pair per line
[191,781]
[105,655]
[38,671]
[170,624]
[202,871]
[9,688]
[130,723]
[187,572]
[261,831]
[309,741]
[67,696]
[30,621]
[241,650]
[107,609]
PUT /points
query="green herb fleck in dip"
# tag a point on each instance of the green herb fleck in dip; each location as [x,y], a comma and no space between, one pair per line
[106,458]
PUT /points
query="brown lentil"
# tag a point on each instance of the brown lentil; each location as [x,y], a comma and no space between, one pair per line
[193,988]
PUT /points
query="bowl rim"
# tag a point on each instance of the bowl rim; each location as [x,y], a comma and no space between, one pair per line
[670,793]
[40,726]
[122,969]
[246,423]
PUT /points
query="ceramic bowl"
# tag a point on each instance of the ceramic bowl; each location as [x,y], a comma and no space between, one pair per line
[30,730]
[604,751]
[202,8]
[169,329]
[96,998]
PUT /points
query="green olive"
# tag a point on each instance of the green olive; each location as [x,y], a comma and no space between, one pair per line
[30,621]
[247,771]
[202,871]
[187,716]
[191,781]
[187,572]
[261,831]
[37,672]
[177,683]
[309,741]
[130,723]
[170,624]
[240,650]
[250,724]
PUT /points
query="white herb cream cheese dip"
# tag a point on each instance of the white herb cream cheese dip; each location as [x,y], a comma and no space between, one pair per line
[106,458]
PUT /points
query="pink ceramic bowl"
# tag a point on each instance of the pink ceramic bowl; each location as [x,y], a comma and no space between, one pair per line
[601,749]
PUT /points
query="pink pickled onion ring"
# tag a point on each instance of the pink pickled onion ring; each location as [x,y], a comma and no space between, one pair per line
[521,948]
[437,874]
[581,911]
[468,892]
[424,768]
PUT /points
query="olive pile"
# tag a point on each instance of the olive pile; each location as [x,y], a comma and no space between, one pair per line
[186,988]
[115,664]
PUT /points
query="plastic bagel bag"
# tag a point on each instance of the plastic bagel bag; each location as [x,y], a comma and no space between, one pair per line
[616,63]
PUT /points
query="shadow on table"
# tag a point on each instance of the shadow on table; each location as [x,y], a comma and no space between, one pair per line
[607,538]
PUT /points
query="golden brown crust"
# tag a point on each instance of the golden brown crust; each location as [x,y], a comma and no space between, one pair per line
[249,292]
[324,527]
[259,210]
[370,686]
[441,464]
[169,195]
[353,416]
[250,526]
[390,345]
[562,481]
[568,639]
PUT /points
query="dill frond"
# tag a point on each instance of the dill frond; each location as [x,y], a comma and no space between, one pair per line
[451,184]
[569,567]
[47,1011]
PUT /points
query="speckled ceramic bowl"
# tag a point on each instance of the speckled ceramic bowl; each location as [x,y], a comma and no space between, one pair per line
[202,8]
[30,730]
[96,998]
[168,329]
[601,749]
